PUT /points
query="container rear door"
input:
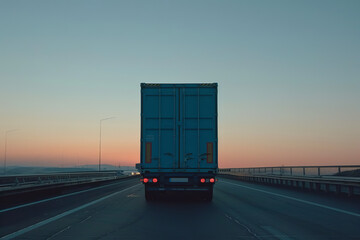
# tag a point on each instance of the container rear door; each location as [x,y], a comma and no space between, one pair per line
[179,126]
[199,128]
[159,131]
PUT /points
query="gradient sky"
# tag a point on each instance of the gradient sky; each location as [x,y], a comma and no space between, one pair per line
[288,74]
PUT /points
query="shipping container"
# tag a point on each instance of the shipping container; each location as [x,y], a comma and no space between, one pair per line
[179,138]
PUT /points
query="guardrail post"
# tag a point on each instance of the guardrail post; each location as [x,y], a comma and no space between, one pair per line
[327,188]
[16,181]
[291,171]
[351,191]
[339,170]
[304,171]
[319,171]
[338,189]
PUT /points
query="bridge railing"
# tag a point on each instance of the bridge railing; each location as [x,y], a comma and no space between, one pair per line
[308,171]
[337,179]
[13,181]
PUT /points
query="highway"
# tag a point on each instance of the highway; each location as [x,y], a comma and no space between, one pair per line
[239,210]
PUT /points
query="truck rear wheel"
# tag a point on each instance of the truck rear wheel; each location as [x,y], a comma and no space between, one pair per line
[148,195]
[209,195]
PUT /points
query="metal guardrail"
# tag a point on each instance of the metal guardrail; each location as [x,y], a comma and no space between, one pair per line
[310,171]
[337,179]
[15,181]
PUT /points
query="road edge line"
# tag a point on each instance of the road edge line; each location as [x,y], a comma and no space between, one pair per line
[49,220]
[61,196]
[296,199]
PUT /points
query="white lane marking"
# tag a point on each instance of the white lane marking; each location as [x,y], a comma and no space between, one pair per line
[52,219]
[85,219]
[244,226]
[62,196]
[296,199]
[132,195]
[59,232]
[276,233]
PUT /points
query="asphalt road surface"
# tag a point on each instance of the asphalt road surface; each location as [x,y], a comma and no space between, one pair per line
[239,210]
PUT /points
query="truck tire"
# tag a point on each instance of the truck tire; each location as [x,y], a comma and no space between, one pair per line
[148,196]
[209,195]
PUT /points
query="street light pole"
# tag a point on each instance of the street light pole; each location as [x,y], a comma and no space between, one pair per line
[101,120]
[6,134]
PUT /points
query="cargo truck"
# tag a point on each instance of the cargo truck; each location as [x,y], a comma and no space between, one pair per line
[179,138]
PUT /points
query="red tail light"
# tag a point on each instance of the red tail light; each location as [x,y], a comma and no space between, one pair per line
[212,180]
[202,180]
[146,180]
[155,180]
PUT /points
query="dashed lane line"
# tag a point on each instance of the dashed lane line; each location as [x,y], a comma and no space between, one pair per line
[275,233]
[61,196]
[52,219]
[297,199]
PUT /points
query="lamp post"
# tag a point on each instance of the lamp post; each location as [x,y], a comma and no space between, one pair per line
[101,120]
[6,135]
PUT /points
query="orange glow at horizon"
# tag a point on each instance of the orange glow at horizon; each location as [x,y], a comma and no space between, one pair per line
[240,145]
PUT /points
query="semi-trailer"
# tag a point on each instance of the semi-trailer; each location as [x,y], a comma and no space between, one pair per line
[179,138]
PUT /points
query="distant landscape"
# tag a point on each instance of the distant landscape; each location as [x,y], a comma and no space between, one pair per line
[15,170]
[351,173]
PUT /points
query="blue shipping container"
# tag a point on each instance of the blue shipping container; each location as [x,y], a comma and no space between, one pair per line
[179,139]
